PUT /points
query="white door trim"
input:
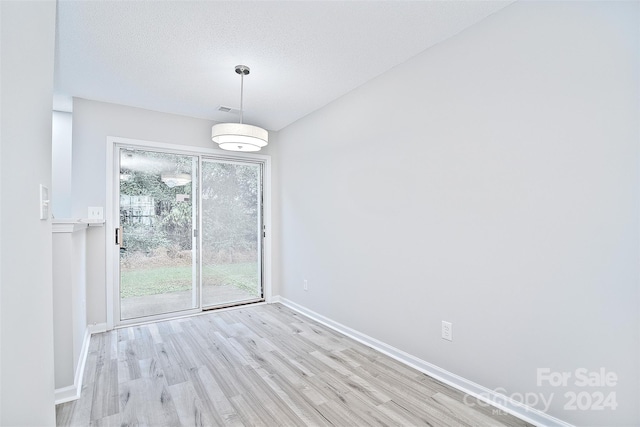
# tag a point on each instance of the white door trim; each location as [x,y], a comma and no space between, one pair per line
[111,211]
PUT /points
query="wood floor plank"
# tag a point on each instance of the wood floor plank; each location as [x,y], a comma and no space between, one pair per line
[173,371]
[219,401]
[466,413]
[128,367]
[294,343]
[165,329]
[341,415]
[110,421]
[223,374]
[397,418]
[208,404]
[189,407]
[330,384]
[392,408]
[268,407]
[250,413]
[183,353]
[147,401]
[291,364]
[277,366]
[330,360]
[242,354]
[367,409]
[301,404]
[360,386]
[261,365]
[155,333]
[105,389]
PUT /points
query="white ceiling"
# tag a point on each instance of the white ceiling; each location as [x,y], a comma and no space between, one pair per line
[179,56]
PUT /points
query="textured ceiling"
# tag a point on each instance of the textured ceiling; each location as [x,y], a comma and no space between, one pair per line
[179,56]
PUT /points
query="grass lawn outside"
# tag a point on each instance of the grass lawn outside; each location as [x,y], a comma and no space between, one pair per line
[159,280]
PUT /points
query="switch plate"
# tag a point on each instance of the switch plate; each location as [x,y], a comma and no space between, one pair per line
[447,331]
[305,285]
[95,212]
[44,202]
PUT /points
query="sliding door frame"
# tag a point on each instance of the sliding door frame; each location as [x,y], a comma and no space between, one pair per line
[112,217]
[260,225]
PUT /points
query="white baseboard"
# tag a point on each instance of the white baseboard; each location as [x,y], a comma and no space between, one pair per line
[96,328]
[72,392]
[526,413]
[66,394]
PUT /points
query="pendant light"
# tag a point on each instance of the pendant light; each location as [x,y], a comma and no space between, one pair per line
[239,136]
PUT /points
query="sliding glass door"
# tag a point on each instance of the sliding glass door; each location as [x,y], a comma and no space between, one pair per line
[231,232]
[158,247]
[190,233]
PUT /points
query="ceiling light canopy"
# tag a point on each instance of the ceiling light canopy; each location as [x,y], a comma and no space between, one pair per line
[239,136]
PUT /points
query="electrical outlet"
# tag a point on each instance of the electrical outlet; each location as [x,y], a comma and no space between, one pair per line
[447,331]
[95,212]
[305,285]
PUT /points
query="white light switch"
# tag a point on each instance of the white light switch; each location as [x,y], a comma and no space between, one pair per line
[95,212]
[44,202]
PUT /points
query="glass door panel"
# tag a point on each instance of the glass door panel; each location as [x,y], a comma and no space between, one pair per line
[231,232]
[158,217]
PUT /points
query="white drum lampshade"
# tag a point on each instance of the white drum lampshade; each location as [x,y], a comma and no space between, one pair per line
[239,136]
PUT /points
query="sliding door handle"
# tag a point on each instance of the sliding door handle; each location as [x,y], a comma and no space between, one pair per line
[119,236]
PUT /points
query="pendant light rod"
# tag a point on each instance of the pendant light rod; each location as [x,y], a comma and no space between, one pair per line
[241,96]
[243,70]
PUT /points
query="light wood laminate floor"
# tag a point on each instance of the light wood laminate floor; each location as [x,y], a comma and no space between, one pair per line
[262,365]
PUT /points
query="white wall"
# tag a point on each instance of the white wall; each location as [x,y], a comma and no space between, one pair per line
[26,369]
[61,165]
[69,301]
[92,122]
[492,182]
